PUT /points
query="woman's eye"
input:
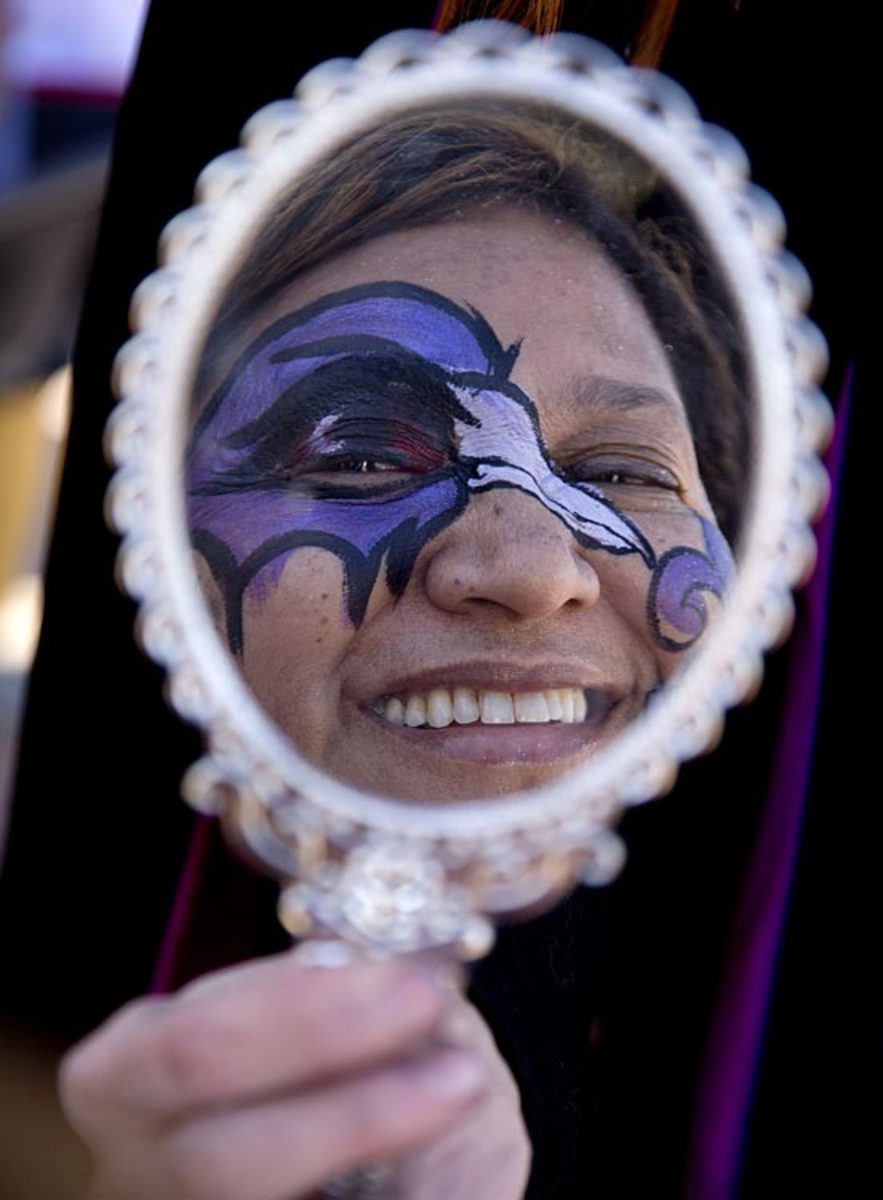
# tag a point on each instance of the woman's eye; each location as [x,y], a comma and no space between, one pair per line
[632,479]
[621,474]
[359,466]
[352,470]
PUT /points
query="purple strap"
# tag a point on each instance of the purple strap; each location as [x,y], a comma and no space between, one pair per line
[724,1094]
[183,907]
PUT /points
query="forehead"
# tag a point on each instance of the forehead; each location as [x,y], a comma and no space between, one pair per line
[537,281]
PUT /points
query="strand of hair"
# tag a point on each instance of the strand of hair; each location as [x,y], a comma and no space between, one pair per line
[539,16]
[653,33]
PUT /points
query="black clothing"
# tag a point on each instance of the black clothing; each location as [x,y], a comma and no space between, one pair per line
[602,1006]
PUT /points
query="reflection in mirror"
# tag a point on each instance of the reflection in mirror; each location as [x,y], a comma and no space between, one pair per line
[467,448]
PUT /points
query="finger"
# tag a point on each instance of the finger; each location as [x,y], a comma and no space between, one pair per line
[487,1151]
[463,1026]
[269,1026]
[290,1146]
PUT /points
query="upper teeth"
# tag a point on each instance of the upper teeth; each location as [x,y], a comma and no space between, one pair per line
[465,706]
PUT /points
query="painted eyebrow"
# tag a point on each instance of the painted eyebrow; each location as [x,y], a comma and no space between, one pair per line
[605,392]
[447,326]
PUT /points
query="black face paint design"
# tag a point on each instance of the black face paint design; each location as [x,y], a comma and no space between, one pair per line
[400,379]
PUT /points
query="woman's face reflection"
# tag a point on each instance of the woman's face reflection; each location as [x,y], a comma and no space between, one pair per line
[449,512]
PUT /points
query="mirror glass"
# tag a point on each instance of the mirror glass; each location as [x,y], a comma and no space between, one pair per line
[468,448]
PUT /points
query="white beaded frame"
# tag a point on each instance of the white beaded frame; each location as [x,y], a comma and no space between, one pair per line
[486,856]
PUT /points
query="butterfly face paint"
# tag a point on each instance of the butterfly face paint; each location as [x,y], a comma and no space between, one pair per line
[362,424]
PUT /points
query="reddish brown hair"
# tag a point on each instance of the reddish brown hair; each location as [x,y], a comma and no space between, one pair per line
[547,16]
[540,16]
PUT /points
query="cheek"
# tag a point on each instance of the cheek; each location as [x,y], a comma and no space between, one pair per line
[670,608]
[625,583]
[688,585]
[296,633]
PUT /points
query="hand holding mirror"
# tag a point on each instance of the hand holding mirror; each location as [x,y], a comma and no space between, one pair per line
[466,454]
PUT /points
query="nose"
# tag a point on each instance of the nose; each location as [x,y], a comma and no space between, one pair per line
[509,553]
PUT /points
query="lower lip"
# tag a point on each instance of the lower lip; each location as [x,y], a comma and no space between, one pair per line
[502,744]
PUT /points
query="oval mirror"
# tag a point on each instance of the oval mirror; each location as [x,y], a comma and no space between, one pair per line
[466,450]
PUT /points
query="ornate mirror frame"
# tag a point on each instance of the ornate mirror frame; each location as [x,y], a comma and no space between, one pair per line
[366,869]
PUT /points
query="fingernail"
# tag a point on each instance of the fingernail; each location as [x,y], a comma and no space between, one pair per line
[451,1074]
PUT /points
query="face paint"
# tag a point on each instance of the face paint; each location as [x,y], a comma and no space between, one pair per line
[422,390]
[310,380]
[504,448]
[677,608]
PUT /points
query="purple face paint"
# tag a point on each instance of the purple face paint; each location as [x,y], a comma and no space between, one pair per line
[395,377]
[677,607]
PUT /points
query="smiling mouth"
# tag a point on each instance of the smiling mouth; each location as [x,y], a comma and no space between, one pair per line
[442,707]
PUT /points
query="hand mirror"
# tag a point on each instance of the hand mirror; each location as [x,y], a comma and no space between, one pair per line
[466,451]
